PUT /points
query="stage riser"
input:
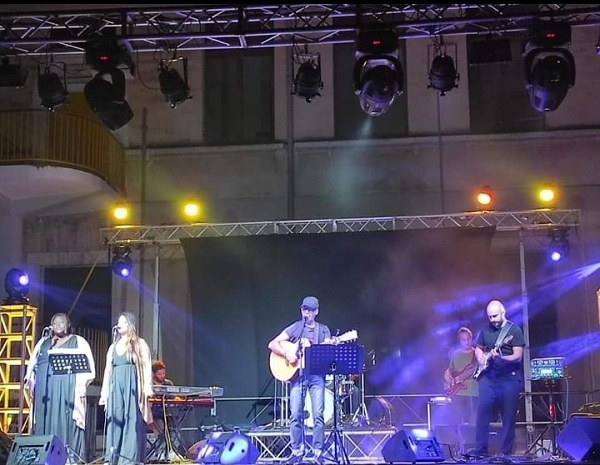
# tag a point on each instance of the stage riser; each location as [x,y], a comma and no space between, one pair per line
[362,446]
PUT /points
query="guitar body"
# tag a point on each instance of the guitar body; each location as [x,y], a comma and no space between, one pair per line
[485,364]
[283,370]
[459,378]
[280,367]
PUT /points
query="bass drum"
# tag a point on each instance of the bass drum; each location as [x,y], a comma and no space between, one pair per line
[309,421]
[381,412]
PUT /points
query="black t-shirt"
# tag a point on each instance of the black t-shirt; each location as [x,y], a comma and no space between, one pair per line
[487,340]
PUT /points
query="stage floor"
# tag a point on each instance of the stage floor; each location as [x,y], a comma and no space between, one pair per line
[363,445]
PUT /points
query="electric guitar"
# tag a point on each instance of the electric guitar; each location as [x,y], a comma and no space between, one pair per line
[286,371]
[485,364]
[459,378]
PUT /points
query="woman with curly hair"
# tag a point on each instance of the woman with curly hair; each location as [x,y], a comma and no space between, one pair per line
[125,390]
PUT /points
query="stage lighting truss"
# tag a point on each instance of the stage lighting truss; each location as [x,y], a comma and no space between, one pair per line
[307,80]
[52,87]
[442,71]
[378,74]
[549,65]
[16,284]
[173,86]
[559,245]
[121,263]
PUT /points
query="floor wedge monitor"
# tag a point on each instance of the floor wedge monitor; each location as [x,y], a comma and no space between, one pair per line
[413,446]
[580,438]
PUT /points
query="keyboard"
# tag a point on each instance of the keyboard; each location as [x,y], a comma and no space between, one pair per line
[188,391]
[182,401]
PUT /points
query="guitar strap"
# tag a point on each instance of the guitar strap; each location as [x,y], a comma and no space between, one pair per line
[503,332]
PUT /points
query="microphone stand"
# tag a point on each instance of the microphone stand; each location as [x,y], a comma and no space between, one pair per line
[301,380]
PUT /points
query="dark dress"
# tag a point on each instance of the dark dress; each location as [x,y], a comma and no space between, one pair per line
[126,428]
[53,401]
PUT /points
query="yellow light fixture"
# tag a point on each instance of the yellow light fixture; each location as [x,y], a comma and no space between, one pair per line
[485,198]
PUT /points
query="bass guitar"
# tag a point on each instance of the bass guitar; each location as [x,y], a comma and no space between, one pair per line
[458,380]
[286,371]
[485,364]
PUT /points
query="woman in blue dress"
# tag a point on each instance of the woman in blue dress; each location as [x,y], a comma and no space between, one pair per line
[125,390]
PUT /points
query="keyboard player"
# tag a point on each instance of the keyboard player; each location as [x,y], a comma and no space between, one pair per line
[159,374]
[162,451]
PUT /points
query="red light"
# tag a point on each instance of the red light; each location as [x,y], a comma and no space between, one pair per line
[550,35]
[376,42]
[103,57]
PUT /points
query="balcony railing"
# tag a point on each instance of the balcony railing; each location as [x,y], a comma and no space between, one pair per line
[42,138]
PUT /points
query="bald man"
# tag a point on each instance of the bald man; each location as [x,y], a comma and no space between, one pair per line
[499,352]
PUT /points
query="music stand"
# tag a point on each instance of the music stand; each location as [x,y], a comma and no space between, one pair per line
[329,359]
[68,362]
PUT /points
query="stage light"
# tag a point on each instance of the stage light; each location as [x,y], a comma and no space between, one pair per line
[191,210]
[378,74]
[546,194]
[559,246]
[307,82]
[120,212]
[174,88]
[442,73]
[51,88]
[16,284]
[485,198]
[121,263]
[549,66]
[107,99]
[104,52]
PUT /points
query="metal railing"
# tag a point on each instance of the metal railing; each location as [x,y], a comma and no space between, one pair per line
[43,138]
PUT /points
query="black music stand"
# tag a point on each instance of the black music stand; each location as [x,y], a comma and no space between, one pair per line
[329,359]
[69,362]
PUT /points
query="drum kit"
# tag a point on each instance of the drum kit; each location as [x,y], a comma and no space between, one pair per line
[349,400]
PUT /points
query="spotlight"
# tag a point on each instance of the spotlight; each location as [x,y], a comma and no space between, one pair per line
[107,99]
[547,194]
[121,262]
[103,52]
[559,244]
[378,74]
[442,73]
[485,198]
[11,75]
[16,284]
[307,82]
[51,89]
[174,88]
[549,66]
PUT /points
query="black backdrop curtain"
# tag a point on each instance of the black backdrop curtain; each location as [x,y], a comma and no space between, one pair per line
[403,291]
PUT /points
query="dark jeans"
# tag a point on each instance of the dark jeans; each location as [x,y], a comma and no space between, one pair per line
[498,394]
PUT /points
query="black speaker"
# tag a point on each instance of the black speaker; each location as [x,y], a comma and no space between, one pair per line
[37,450]
[580,438]
[228,448]
[417,445]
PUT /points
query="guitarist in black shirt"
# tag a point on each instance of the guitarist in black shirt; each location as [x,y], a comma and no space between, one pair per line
[499,353]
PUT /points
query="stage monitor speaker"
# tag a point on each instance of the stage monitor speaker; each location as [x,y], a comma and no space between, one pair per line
[580,438]
[227,448]
[416,445]
[37,450]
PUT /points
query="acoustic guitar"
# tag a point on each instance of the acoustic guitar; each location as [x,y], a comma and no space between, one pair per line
[286,371]
[485,364]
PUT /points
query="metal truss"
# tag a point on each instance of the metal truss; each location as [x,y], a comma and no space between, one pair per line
[361,445]
[503,221]
[202,27]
